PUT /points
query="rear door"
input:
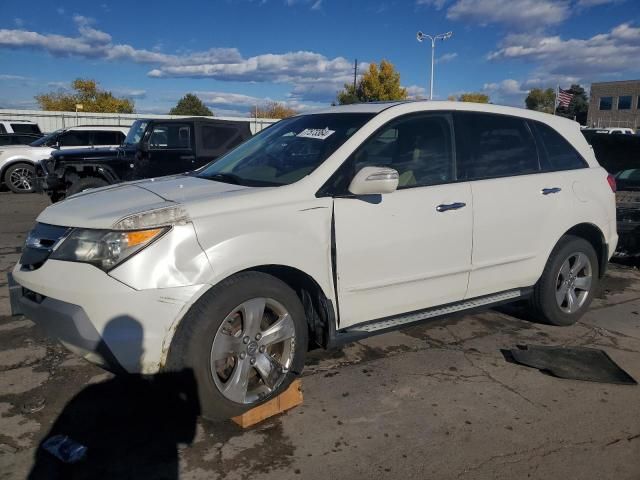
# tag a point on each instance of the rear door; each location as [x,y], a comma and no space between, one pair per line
[518,208]
[404,251]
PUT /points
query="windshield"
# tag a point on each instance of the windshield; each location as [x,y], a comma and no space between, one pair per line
[287,151]
[136,132]
[628,179]
[47,140]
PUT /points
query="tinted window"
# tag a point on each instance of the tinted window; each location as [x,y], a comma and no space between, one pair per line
[559,154]
[2,129]
[606,103]
[494,146]
[215,137]
[75,138]
[624,102]
[25,128]
[638,105]
[107,138]
[418,147]
[170,136]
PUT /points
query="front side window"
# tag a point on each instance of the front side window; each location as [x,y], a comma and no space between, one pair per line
[75,138]
[624,102]
[419,148]
[490,146]
[25,128]
[286,151]
[170,136]
[560,154]
[606,103]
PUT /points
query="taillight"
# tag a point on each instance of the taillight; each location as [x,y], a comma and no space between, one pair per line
[612,182]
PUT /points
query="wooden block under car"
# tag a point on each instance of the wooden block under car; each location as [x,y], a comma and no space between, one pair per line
[291,397]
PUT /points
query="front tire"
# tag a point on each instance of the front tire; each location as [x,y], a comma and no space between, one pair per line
[568,283]
[245,340]
[20,177]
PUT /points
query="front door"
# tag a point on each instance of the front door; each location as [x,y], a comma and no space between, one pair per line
[411,249]
[170,151]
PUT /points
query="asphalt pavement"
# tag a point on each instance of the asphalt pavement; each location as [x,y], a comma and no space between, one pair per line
[427,402]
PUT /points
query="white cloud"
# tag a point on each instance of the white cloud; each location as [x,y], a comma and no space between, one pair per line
[416,92]
[317,5]
[602,54]
[313,75]
[18,22]
[447,57]
[437,4]
[9,77]
[596,3]
[130,92]
[518,14]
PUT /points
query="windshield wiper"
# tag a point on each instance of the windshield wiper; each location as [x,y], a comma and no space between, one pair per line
[225,178]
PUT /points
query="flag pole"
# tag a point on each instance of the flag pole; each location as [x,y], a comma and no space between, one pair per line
[555,103]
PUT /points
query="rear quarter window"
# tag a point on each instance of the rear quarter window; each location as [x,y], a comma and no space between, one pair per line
[558,153]
[25,128]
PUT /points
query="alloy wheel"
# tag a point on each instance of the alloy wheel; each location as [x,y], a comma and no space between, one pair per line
[21,179]
[574,282]
[253,350]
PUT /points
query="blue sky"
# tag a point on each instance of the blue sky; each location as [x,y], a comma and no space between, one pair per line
[235,53]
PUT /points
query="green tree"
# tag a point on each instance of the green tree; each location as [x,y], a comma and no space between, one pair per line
[190,104]
[578,107]
[86,93]
[541,100]
[273,109]
[376,84]
[475,97]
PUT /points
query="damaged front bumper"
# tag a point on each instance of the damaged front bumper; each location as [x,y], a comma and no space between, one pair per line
[628,223]
[46,180]
[98,317]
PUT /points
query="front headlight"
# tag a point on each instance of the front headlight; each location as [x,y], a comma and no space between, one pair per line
[104,248]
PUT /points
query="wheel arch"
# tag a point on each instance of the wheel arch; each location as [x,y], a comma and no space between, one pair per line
[595,237]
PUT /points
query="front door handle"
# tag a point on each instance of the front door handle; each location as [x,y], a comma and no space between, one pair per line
[547,191]
[450,206]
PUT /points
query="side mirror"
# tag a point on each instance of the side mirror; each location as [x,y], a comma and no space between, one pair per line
[374,181]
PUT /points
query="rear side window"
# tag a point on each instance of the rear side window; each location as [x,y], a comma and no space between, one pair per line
[107,138]
[491,146]
[559,154]
[75,138]
[170,136]
[2,129]
[25,128]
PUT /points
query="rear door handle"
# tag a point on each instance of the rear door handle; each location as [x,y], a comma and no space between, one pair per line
[547,191]
[450,206]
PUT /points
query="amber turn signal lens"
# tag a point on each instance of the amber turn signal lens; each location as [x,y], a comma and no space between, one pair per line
[141,236]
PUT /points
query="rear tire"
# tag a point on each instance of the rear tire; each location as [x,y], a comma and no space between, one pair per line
[567,285]
[19,177]
[85,183]
[237,362]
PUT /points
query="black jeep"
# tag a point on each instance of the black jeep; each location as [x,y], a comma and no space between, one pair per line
[153,148]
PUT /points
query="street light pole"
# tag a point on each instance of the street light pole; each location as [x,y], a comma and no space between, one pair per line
[442,36]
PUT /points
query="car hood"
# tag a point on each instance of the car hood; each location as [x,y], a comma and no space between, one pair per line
[10,150]
[103,207]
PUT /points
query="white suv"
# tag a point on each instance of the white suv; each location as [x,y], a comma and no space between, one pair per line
[19,126]
[324,228]
[17,162]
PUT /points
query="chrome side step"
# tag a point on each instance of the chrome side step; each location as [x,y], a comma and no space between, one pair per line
[434,312]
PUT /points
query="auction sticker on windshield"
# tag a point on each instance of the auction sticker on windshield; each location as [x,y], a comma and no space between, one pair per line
[317,133]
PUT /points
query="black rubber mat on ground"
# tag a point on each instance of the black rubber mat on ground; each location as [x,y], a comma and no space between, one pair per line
[577,363]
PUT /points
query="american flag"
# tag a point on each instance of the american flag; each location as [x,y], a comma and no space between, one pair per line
[564,98]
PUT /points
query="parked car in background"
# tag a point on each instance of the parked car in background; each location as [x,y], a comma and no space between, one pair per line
[323,228]
[590,133]
[153,148]
[17,162]
[620,131]
[620,155]
[19,126]
[18,138]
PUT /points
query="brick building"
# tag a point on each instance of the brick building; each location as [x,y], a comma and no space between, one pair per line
[615,104]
